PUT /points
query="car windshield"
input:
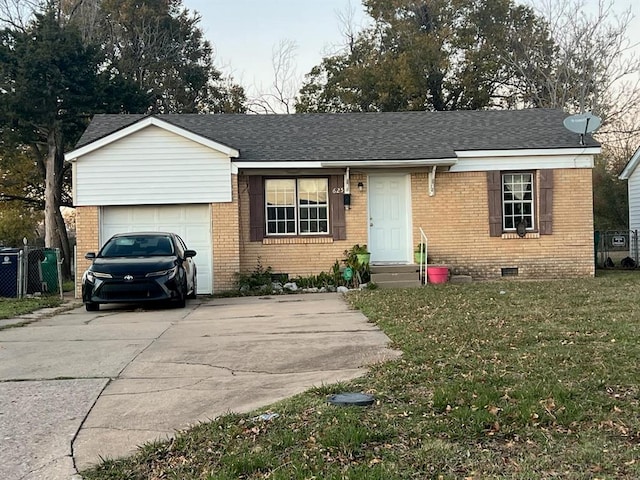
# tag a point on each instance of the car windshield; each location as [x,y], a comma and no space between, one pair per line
[138,246]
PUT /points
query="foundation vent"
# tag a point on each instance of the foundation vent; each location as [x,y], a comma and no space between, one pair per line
[510,272]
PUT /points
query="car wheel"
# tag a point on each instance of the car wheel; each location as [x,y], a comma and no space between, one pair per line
[92,307]
[194,293]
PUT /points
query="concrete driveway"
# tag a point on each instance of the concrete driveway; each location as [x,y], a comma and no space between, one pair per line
[81,386]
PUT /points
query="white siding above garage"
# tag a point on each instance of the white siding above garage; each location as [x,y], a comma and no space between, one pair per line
[152,166]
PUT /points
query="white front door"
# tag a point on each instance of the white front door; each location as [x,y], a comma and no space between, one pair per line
[389,218]
[192,222]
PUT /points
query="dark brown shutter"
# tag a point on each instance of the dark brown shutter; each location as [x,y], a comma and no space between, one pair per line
[494,188]
[256,208]
[546,202]
[336,204]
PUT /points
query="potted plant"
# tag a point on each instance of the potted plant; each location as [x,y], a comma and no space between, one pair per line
[362,254]
[420,254]
[357,264]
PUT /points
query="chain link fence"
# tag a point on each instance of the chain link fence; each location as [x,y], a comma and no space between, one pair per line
[30,271]
[617,249]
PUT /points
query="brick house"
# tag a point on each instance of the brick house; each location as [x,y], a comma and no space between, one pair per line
[496,192]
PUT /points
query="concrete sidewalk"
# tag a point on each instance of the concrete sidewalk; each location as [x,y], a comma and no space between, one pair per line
[98,384]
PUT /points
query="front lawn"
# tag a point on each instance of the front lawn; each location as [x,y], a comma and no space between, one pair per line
[498,380]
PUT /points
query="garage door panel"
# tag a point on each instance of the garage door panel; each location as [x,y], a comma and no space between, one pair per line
[177,214]
[191,222]
[197,235]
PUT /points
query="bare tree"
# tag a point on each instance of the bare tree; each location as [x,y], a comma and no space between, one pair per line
[281,94]
[593,68]
[17,13]
[346,23]
[84,14]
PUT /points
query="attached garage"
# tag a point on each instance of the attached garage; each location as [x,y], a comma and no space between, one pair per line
[154,176]
[192,222]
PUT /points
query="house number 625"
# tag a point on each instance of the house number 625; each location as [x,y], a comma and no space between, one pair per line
[338,190]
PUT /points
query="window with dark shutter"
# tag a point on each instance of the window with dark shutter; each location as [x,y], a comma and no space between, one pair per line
[511,200]
[306,215]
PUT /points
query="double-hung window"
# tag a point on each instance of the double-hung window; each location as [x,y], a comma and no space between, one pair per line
[517,200]
[297,206]
[520,202]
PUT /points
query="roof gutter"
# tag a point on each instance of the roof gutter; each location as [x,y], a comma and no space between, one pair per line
[443,162]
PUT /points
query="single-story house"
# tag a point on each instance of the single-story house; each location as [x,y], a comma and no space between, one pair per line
[497,193]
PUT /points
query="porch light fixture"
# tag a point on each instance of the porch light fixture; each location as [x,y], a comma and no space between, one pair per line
[360,186]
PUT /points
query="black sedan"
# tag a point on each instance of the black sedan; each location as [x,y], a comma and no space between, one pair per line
[140,267]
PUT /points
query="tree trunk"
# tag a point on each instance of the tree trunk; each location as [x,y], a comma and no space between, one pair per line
[55,234]
[51,236]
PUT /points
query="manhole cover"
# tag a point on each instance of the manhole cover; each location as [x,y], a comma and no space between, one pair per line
[359,399]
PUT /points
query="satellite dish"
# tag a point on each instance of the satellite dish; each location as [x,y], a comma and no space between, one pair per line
[582,123]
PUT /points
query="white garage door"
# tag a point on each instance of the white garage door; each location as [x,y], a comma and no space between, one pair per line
[191,222]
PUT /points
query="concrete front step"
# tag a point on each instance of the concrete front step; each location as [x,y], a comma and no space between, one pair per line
[404,268]
[395,276]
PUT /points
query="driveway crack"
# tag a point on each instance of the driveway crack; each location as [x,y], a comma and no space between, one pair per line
[44,467]
[75,436]
[102,391]
[233,371]
[160,390]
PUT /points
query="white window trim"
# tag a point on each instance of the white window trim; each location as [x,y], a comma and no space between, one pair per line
[532,228]
[296,212]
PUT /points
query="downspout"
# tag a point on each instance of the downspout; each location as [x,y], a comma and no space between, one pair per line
[347,190]
[432,181]
[347,186]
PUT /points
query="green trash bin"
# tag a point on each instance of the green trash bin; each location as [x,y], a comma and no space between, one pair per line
[50,270]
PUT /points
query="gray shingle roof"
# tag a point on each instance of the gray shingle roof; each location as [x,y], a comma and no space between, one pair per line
[365,136]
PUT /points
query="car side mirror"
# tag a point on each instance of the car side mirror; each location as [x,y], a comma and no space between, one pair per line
[90,256]
[189,253]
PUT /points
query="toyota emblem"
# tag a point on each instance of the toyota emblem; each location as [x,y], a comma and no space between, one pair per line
[128,278]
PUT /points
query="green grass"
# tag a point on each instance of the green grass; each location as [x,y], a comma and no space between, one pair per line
[519,380]
[68,286]
[12,307]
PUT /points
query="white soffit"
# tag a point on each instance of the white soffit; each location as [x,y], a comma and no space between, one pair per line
[277,165]
[486,160]
[528,152]
[288,165]
[421,162]
[144,123]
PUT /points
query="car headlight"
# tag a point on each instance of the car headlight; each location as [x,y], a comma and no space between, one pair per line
[161,273]
[91,275]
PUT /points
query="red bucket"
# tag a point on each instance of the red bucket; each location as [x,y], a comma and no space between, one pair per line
[437,274]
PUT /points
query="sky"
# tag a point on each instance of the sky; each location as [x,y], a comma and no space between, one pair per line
[245,32]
